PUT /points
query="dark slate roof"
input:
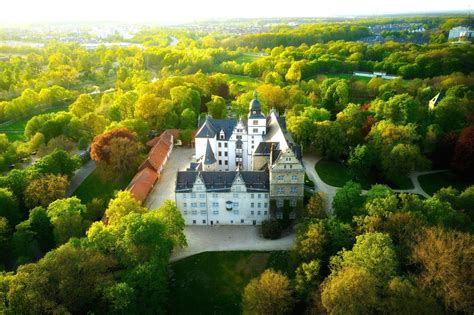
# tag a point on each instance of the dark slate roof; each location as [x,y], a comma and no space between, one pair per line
[222,181]
[210,127]
[209,157]
[193,166]
[297,151]
[265,148]
[275,155]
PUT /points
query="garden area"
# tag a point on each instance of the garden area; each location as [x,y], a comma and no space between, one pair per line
[213,282]
[431,183]
[336,174]
[95,186]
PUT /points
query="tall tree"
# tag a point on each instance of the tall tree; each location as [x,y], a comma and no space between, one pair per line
[269,294]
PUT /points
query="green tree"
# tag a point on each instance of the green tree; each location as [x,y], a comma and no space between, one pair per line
[217,107]
[67,218]
[269,294]
[123,204]
[316,207]
[9,206]
[348,201]
[82,105]
[58,163]
[188,119]
[170,215]
[351,291]
[373,252]
[446,258]
[43,191]
[360,162]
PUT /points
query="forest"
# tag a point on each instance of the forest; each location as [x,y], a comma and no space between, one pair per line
[380,251]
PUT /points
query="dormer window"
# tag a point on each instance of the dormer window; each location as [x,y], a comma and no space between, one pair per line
[222,135]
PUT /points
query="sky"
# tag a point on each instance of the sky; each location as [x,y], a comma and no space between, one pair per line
[175,11]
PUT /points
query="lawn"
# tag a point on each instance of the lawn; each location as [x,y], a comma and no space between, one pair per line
[244,80]
[19,125]
[213,282]
[96,187]
[431,183]
[246,58]
[337,174]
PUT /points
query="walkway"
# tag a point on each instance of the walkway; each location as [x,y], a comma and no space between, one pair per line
[79,176]
[228,238]
[329,191]
[310,161]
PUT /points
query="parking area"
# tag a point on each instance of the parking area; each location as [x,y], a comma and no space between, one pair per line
[229,238]
[164,189]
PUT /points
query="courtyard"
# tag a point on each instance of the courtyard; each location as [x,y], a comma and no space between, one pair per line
[179,160]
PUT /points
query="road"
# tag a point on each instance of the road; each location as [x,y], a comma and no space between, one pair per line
[179,159]
[79,176]
[228,238]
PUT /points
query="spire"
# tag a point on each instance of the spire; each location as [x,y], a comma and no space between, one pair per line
[254,106]
[209,157]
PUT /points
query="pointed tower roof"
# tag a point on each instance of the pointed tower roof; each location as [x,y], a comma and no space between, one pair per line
[209,157]
[255,108]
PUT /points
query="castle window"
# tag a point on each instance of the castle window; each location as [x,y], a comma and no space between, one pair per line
[193,204]
[259,205]
[280,190]
[252,196]
[194,212]
[255,130]
[226,162]
[236,195]
[225,144]
[252,212]
[294,190]
[226,154]
[185,212]
[219,153]
[280,177]
[202,196]
[202,204]
[294,178]
[235,204]
[220,162]
[293,203]
[265,205]
[193,195]
[185,205]
[214,195]
[265,212]
[215,212]
[288,159]
[259,212]
[203,212]
[215,204]
[219,144]
[255,122]
[235,211]
[252,205]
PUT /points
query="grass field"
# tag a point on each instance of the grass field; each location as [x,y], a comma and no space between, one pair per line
[95,187]
[246,58]
[213,282]
[244,80]
[19,125]
[431,183]
[337,174]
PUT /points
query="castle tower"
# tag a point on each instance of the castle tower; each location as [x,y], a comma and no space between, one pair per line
[209,160]
[256,126]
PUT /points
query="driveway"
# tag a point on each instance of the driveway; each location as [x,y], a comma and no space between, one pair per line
[309,162]
[179,159]
[228,238]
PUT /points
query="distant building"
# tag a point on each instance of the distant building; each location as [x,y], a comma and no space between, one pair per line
[434,101]
[461,33]
[376,74]
[241,168]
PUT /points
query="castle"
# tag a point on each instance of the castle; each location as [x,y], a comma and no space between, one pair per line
[242,168]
